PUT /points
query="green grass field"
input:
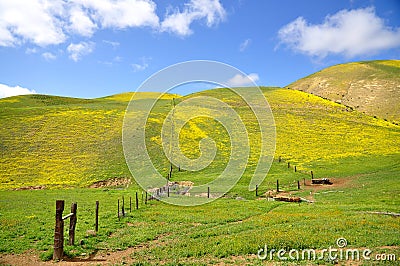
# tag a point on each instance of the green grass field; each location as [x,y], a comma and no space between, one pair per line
[67,144]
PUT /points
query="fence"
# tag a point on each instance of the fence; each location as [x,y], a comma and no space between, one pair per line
[170,189]
[59,227]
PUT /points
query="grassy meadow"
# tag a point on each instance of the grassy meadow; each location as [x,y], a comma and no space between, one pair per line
[67,144]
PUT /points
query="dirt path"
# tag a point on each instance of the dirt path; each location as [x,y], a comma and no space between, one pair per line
[101,257]
[98,258]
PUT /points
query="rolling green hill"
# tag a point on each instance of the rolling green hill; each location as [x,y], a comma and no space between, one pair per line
[63,142]
[372,87]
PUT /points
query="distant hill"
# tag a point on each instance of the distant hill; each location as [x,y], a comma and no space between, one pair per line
[372,87]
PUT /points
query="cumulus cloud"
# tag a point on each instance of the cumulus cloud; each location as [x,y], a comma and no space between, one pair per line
[121,13]
[243,46]
[348,32]
[35,21]
[48,22]
[7,91]
[80,22]
[77,50]
[53,22]
[179,22]
[243,80]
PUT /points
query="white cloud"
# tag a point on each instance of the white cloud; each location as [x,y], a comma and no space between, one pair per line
[49,56]
[77,50]
[7,91]
[35,21]
[121,14]
[80,22]
[48,22]
[242,80]
[243,46]
[53,22]
[179,22]
[142,65]
[348,32]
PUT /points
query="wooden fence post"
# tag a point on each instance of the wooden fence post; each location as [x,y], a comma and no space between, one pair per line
[277,185]
[298,184]
[72,224]
[137,201]
[59,232]
[97,217]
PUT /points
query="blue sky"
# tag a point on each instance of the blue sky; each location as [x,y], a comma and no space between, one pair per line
[94,48]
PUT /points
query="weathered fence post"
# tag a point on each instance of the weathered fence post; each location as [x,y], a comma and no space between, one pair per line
[59,232]
[97,217]
[72,224]
[277,185]
[137,201]
[298,184]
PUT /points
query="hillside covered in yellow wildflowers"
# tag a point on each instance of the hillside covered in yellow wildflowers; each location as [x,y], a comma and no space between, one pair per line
[64,142]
